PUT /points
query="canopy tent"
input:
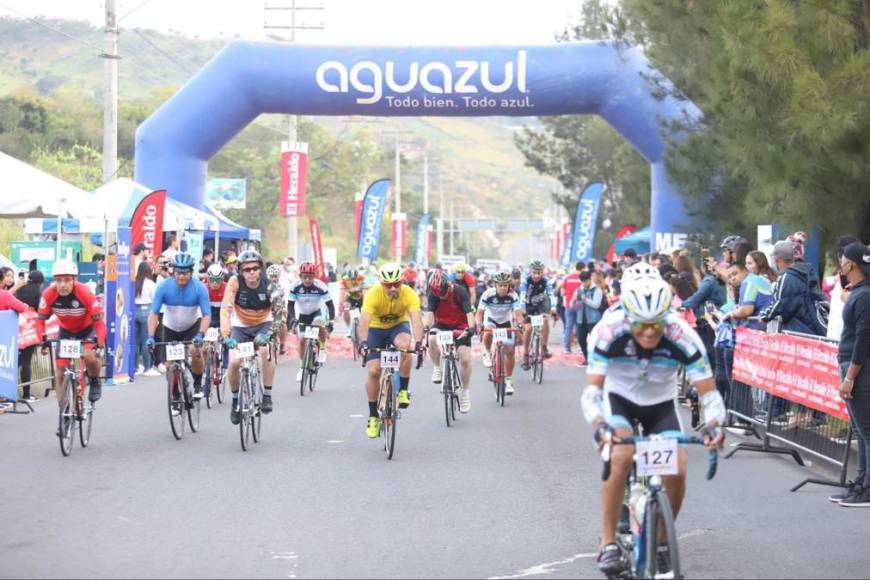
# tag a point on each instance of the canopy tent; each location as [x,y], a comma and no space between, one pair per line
[31,192]
[230,229]
[639,241]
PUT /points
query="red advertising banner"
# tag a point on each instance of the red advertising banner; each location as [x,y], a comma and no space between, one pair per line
[146,225]
[566,237]
[294,176]
[357,212]
[801,370]
[317,247]
[623,231]
[400,231]
[428,246]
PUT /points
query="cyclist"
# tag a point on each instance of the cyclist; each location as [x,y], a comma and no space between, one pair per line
[186,313]
[79,316]
[278,297]
[450,309]
[306,303]
[410,274]
[351,293]
[463,277]
[246,315]
[387,309]
[217,286]
[500,307]
[536,292]
[516,280]
[635,352]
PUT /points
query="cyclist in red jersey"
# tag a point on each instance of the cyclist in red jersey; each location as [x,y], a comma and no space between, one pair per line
[79,316]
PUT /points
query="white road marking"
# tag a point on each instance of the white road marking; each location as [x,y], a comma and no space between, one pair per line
[357,416]
[335,441]
[542,569]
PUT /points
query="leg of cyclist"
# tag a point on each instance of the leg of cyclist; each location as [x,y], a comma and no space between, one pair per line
[373,379]
[510,358]
[93,364]
[545,337]
[403,340]
[282,336]
[527,344]
[324,333]
[465,374]
[487,344]
[435,355]
[59,368]
[612,494]
[233,379]
[197,365]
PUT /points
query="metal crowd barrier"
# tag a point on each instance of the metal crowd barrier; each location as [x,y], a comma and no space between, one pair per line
[41,371]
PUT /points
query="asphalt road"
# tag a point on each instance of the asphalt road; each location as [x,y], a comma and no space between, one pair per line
[505,493]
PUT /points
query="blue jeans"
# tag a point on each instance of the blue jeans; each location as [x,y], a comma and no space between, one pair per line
[570,323]
[859,412]
[142,311]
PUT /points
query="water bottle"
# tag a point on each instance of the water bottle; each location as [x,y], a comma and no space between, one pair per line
[636,507]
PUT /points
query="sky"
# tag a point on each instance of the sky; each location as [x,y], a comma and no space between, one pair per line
[346,22]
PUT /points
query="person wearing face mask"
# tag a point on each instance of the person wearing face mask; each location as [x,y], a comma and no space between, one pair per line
[839,293]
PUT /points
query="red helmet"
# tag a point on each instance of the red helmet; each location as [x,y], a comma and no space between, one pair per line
[307,268]
[438,283]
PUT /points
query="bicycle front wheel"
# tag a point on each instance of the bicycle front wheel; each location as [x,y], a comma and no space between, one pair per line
[354,339]
[194,408]
[256,412]
[245,411]
[659,515]
[389,419]
[447,388]
[66,416]
[86,424]
[314,366]
[175,401]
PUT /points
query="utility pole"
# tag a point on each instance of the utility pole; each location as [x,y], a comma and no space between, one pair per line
[440,244]
[110,93]
[452,226]
[292,120]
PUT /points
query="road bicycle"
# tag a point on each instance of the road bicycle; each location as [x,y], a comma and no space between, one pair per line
[74,408]
[650,515]
[388,409]
[312,359]
[214,375]
[501,341]
[354,331]
[536,354]
[451,380]
[250,393]
[179,393]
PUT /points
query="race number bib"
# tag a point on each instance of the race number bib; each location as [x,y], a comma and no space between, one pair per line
[70,349]
[657,457]
[390,359]
[246,349]
[311,332]
[500,335]
[354,314]
[445,338]
[174,352]
[537,321]
[211,335]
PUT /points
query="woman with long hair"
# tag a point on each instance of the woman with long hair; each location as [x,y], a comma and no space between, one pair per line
[145,288]
[688,271]
[756,262]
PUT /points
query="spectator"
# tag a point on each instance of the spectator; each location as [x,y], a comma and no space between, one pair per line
[853,355]
[231,265]
[754,294]
[100,280]
[145,288]
[207,258]
[569,287]
[29,294]
[688,272]
[141,253]
[839,292]
[629,257]
[793,300]
[711,296]
[173,246]
[9,281]
[587,300]
[799,239]
[163,269]
[756,263]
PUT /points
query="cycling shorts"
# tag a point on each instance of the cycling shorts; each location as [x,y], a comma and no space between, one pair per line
[315,318]
[215,317]
[248,333]
[655,419]
[536,309]
[169,335]
[384,338]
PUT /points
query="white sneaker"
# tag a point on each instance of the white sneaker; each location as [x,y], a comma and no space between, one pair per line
[487,359]
[162,368]
[509,386]
[436,375]
[140,370]
[465,400]
[321,357]
[152,372]
[298,375]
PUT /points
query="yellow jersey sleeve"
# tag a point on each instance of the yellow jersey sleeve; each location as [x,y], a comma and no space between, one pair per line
[387,313]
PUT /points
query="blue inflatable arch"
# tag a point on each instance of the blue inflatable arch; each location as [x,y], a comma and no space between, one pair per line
[247,79]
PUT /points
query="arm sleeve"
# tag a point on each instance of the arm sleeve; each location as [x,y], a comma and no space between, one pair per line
[10,302]
[432,303]
[699,297]
[95,311]
[330,306]
[44,311]
[204,303]
[465,301]
[861,350]
[598,360]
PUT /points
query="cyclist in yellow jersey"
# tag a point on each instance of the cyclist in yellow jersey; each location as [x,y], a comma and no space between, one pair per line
[390,313]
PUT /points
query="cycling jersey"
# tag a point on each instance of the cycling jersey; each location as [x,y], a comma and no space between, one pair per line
[182,305]
[245,306]
[277,294]
[645,377]
[465,279]
[353,288]
[307,300]
[215,299]
[499,309]
[452,311]
[76,312]
[536,296]
[386,312]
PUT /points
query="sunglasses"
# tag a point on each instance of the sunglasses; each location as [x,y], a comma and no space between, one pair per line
[643,326]
[249,270]
[183,272]
[391,284]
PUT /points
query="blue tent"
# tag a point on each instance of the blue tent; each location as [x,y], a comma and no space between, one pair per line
[639,241]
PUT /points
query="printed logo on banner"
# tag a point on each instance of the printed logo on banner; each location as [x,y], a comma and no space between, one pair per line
[585,221]
[9,355]
[374,206]
[472,81]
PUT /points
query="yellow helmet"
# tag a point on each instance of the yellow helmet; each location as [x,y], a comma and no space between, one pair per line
[390,273]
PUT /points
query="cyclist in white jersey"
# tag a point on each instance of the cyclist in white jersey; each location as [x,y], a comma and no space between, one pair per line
[635,352]
[307,299]
[500,307]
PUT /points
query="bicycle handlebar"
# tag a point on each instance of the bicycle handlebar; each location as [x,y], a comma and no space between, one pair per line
[396,349]
[712,462]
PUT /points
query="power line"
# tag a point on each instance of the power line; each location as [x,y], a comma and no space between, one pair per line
[53,29]
[133,9]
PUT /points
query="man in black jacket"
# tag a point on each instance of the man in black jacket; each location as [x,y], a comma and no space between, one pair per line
[853,355]
[793,299]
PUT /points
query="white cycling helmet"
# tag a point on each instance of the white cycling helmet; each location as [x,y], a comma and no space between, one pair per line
[646,299]
[641,271]
[215,272]
[273,270]
[64,268]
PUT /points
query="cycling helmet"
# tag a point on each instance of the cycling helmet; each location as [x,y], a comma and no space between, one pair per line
[516,273]
[502,277]
[438,284]
[307,268]
[731,242]
[640,271]
[646,299]
[536,266]
[460,268]
[390,273]
[64,268]
[273,270]
[351,274]
[183,261]
[250,256]
[215,273]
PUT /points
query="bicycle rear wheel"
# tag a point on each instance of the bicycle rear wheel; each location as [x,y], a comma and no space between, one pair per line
[194,408]
[175,401]
[354,339]
[312,375]
[306,366]
[244,411]
[457,385]
[66,416]
[389,419]
[447,388]
[86,424]
[220,380]
[256,412]
[658,512]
